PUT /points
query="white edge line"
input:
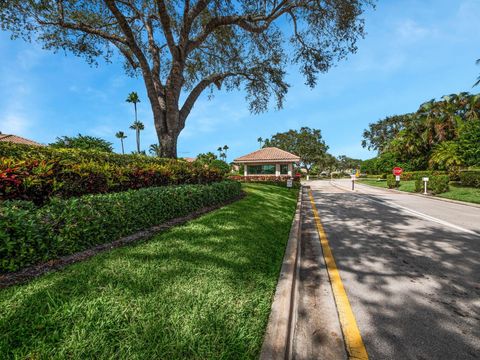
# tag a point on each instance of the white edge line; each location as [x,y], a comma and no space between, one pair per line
[419,214]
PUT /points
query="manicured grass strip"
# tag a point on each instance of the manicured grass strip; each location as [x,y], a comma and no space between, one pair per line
[462,193]
[199,291]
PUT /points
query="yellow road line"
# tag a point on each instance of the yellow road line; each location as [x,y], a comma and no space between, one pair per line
[351,334]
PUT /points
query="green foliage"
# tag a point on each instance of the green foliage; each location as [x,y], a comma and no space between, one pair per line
[391,182]
[27,152]
[270,180]
[380,134]
[446,156]
[414,175]
[345,163]
[198,291]
[470,178]
[469,142]
[306,143]
[30,235]
[437,184]
[84,142]
[206,158]
[249,45]
[418,139]
[221,165]
[69,173]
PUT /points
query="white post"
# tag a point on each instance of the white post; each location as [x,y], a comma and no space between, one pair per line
[245,171]
[277,170]
[290,169]
[425,181]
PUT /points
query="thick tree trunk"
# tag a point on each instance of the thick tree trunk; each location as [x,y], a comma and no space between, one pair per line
[168,145]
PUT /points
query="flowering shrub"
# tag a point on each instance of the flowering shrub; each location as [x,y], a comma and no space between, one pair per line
[64,174]
[272,180]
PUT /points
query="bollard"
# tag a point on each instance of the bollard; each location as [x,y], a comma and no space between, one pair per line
[425,181]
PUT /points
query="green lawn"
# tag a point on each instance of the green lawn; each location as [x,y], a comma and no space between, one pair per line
[408,186]
[462,193]
[456,192]
[198,291]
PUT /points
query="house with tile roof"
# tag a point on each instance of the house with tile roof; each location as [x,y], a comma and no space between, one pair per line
[17,140]
[269,161]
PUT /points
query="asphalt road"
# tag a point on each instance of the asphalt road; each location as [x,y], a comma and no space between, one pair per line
[411,269]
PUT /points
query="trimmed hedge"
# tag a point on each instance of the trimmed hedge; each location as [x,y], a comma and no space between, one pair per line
[41,178]
[391,182]
[269,180]
[28,152]
[470,178]
[30,235]
[437,184]
[415,175]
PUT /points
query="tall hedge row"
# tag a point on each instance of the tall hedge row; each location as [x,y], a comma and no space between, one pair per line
[37,174]
[470,178]
[30,234]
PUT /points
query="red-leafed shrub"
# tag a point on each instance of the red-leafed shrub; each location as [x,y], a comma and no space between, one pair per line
[39,180]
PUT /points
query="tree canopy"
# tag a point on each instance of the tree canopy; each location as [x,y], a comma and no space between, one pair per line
[186,47]
[443,134]
[306,143]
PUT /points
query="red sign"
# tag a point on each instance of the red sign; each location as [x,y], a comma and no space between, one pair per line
[397,171]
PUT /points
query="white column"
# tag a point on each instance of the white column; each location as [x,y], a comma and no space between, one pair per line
[277,170]
[245,170]
[290,168]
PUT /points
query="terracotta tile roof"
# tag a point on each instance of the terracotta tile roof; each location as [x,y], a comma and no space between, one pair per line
[17,140]
[268,154]
[189,159]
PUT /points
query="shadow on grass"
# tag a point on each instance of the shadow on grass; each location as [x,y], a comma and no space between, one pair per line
[202,290]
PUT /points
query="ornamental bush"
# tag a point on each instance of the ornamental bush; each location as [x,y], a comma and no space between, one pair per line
[70,172]
[391,182]
[30,234]
[437,184]
[470,178]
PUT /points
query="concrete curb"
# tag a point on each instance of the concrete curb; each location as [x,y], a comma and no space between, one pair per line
[425,196]
[278,336]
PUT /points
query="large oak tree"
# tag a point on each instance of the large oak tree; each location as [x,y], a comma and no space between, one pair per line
[182,48]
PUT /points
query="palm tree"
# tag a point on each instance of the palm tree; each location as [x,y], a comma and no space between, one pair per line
[260,140]
[225,149]
[121,135]
[134,99]
[219,151]
[478,79]
[137,126]
[154,150]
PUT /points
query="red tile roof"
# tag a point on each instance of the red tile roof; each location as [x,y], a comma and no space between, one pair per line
[268,154]
[17,140]
[189,159]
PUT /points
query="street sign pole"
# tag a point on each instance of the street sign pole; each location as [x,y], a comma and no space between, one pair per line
[397,171]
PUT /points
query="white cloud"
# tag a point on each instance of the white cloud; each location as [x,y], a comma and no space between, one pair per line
[409,31]
[14,123]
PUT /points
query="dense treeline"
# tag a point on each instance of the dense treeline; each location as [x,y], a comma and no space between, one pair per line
[440,135]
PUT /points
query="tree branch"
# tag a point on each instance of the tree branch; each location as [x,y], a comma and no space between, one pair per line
[250,23]
[167,27]
[200,87]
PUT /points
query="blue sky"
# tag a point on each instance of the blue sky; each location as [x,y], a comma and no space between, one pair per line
[414,50]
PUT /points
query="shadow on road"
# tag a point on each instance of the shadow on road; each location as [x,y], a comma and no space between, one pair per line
[414,285]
